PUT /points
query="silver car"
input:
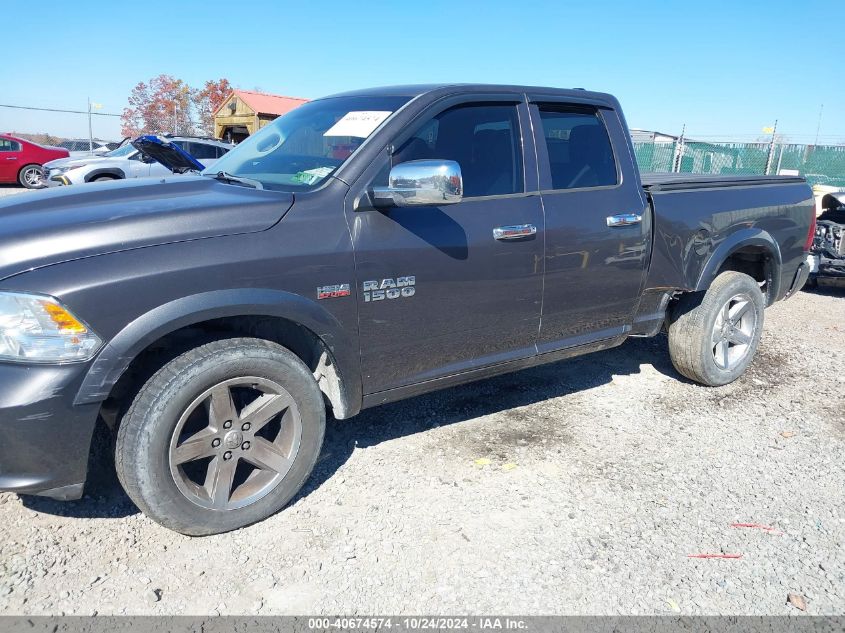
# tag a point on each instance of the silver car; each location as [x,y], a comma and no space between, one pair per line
[128,162]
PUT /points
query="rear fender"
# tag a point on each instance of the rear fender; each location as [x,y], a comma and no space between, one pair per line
[733,243]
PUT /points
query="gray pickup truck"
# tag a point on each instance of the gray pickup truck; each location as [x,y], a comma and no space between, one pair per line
[363,248]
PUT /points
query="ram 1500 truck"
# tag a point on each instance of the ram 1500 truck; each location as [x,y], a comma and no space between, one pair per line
[363,248]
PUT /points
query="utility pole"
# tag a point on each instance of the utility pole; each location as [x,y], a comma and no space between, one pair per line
[679,151]
[771,148]
[90,129]
[819,126]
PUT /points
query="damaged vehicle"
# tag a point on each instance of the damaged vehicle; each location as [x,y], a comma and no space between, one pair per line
[827,254]
[361,249]
[146,156]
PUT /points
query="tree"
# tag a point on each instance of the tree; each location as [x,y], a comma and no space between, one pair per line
[206,102]
[161,106]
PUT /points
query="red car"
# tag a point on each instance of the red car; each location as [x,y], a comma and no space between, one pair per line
[21,160]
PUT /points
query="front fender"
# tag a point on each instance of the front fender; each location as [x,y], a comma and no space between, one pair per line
[124,347]
[115,172]
[751,236]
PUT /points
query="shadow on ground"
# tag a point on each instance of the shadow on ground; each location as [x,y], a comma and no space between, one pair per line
[104,498]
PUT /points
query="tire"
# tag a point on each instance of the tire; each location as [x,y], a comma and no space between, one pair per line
[103,178]
[232,381]
[704,344]
[30,176]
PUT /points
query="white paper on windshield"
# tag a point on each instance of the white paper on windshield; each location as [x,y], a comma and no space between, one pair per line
[359,124]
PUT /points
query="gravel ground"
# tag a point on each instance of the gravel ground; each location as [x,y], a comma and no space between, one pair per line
[11,190]
[575,488]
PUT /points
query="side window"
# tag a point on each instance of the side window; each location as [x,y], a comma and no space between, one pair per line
[580,154]
[483,139]
[7,145]
[202,150]
[221,151]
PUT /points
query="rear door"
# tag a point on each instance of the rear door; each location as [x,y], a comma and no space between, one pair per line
[10,159]
[597,223]
[439,293]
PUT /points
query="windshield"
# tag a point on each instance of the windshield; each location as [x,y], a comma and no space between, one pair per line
[299,150]
[122,152]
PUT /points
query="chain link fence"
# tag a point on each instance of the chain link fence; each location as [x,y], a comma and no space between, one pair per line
[819,164]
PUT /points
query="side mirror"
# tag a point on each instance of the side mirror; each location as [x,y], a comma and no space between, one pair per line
[421,183]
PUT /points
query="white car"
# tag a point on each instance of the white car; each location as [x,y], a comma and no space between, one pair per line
[128,161]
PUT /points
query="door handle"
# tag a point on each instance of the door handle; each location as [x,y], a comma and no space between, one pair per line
[11,158]
[624,219]
[514,232]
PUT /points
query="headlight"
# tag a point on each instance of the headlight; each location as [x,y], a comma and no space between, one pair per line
[63,168]
[38,329]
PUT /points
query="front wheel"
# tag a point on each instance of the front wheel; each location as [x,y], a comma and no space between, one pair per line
[30,176]
[221,437]
[713,338]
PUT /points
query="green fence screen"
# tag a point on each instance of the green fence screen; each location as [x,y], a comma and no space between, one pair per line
[819,164]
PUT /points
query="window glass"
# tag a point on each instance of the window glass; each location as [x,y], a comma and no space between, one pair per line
[483,139]
[221,150]
[124,151]
[301,149]
[7,145]
[580,154]
[202,150]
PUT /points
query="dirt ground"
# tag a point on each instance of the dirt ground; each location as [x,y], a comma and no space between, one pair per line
[581,487]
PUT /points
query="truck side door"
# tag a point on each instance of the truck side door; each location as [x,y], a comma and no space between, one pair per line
[598,227]
[439,294]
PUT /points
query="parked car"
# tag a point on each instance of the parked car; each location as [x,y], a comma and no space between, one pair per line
[210,320]
[83,147]
[827,255]
[21,160]
[128,161]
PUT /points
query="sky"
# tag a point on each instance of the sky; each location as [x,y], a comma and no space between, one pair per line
[725,69]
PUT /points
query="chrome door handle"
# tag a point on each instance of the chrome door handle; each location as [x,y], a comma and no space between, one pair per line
[11,158]
[624,219]
[515,232]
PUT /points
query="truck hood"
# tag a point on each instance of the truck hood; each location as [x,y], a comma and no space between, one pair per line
[168,154]
[59,225]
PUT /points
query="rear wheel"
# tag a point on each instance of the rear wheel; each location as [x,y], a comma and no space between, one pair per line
[221,437]
[30,176]
[713,337]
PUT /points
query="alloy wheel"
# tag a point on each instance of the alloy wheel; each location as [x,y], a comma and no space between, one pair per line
[235,443]
[733,331]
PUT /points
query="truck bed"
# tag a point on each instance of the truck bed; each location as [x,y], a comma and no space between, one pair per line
[674,182]
[701,219]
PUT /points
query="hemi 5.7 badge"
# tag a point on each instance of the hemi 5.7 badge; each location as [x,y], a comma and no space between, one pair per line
[331,292]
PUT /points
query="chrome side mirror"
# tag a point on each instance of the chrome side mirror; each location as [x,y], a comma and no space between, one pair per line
[421,183]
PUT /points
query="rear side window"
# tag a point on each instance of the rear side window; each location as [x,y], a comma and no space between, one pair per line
[7,145]
[580,154]
[482,138]
[202,150]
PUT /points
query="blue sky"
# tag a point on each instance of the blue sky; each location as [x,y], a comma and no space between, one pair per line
[723,68]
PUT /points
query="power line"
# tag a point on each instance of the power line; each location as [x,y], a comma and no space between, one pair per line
[17,107]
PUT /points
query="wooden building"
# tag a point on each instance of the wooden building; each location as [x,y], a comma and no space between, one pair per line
[244,112]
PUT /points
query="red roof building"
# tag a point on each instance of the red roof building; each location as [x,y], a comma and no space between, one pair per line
[245,111]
